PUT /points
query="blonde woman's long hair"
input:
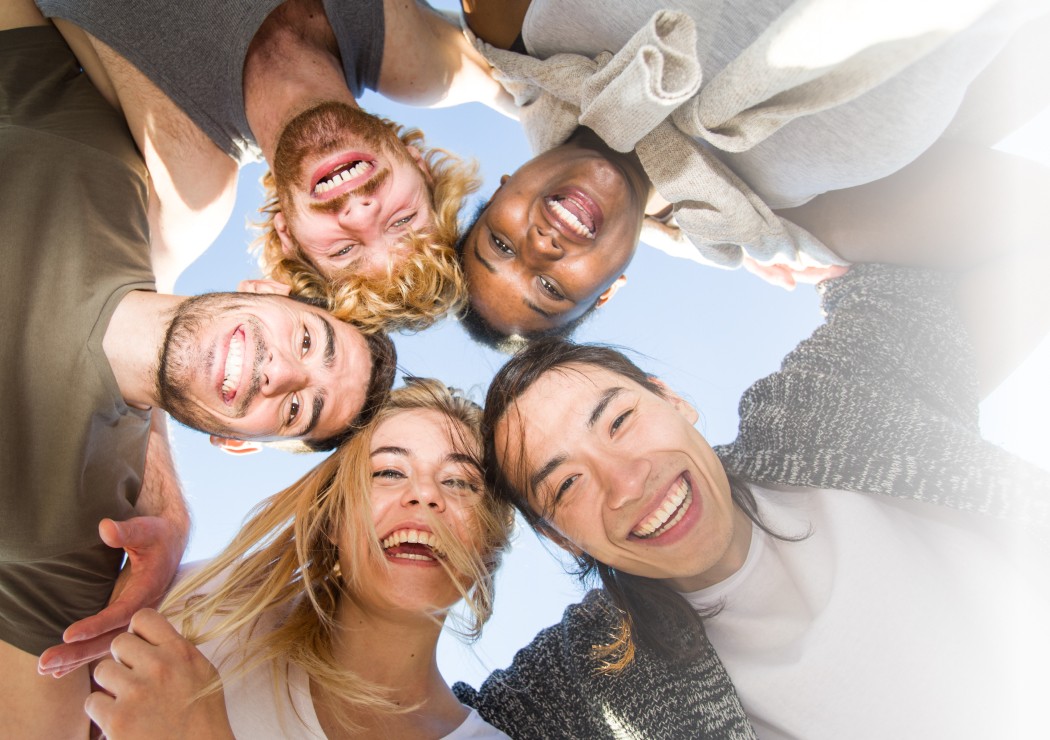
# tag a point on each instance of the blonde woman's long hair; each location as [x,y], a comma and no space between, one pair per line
[286,559]
[417,292]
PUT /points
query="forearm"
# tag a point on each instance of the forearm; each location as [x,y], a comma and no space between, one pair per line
[161,493]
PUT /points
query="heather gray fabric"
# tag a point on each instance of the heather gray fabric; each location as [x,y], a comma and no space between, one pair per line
[75,240]
[195,51]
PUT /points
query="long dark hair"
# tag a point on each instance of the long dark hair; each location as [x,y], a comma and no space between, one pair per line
[653,614]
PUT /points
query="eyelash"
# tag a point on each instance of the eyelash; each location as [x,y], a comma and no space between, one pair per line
[501,246]
[619,420]
[307,342]
[549,287]
[345,250]
[388,473]
[404,221]
[293,410]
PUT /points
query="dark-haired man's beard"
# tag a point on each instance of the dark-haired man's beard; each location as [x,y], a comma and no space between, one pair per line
[182,362]
[325,129]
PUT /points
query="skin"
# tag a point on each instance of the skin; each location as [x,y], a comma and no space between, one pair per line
[386,634]
[526,268]
[604,454]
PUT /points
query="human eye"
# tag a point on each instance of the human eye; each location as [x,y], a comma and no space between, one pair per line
[552,291]
[619,421]
[307,341]
[293,410]
[460,484]
[389,474]
[404,221]
[564,488]
[344,251]
[500,246]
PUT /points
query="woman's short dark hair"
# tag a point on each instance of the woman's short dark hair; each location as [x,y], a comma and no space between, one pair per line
[654,615]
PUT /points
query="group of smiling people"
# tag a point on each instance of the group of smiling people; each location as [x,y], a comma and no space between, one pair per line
[858,562]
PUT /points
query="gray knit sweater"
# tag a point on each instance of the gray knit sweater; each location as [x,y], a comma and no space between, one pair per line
[880,399]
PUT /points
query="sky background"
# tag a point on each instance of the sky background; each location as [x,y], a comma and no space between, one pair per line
[708,333]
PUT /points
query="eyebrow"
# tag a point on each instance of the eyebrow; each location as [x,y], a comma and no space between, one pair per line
[389,450]
[329,342]
[596,413]
[603,403]
[482,260]
[315,417]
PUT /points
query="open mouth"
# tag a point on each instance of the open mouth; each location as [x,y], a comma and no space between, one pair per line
[670,512]
[234,368]
[575,212]
[340,173]
[413,544]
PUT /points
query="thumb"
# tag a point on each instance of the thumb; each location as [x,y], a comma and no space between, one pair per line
[130,533]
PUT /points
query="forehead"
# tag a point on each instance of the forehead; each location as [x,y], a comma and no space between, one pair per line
[422,432]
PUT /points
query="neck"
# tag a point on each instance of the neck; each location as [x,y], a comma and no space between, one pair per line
[732,559]
[391,648]
[293,63]
[133,342]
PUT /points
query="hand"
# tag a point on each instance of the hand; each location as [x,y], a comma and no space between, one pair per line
[154,547]
[152,686]
[787,276]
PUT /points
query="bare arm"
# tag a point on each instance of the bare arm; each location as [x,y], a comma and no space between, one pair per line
[436,66]
[193,184]
[154,542]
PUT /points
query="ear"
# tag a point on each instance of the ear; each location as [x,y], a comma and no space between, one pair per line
[503,180]
[234,446]
[682,406]
[263,286]
[611,291]
[421,163]
[280,225]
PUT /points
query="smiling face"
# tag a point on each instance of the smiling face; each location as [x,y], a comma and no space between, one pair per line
[262,367]
[350,190]
[621,474]
[552,240]
[426,487]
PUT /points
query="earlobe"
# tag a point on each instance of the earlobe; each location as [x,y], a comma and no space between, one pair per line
[611,291]
[682,406]
[234,446]
[280,225]
[272,287]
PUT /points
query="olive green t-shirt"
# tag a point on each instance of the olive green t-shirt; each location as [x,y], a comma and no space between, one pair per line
[74,240]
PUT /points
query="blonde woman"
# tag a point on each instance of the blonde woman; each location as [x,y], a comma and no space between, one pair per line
[323,615]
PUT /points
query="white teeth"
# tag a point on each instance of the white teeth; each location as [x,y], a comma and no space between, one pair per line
[234,364]
[670,512]
[569,218]
[342,176]
[414,536]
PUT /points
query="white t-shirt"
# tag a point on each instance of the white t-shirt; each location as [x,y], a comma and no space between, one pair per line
[892,619]
[259,708]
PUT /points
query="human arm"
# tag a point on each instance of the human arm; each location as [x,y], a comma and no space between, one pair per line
[156,686]
[554,688]
[193,184]
[154,542]
[436,66]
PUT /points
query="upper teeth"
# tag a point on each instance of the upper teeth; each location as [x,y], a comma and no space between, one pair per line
[670,512]
[234,362]
[417,536]
[569,218]
[340,177]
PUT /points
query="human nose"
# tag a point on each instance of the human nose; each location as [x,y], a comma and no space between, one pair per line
[541,246]
[625,478]
[424,491]
[282,375]
[361,216]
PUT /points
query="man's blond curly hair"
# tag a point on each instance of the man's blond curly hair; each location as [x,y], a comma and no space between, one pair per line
[423,288]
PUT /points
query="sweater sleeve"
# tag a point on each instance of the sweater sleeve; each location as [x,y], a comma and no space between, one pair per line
[882,398]
[554,689]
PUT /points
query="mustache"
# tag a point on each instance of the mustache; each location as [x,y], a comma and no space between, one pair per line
[337,204]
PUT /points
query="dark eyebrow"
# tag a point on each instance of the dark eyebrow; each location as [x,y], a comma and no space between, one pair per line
[603,403]
[462,459]
[329,342]
[482,260]
[541,475]
[537,309]
[316,415]
[390,450]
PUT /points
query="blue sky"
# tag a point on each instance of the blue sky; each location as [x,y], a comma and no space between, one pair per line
[708,333]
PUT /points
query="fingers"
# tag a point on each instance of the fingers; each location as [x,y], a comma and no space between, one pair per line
[151,626]
[62,659]
[114,617]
